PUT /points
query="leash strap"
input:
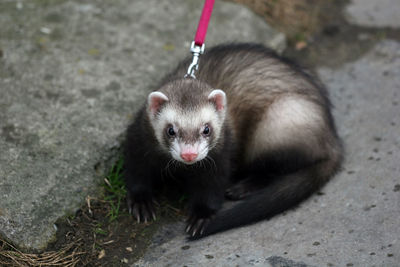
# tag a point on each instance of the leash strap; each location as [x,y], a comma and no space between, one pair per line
[203,22]
[197,46]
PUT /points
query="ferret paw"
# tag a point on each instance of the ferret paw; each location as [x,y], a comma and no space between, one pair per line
[196,226]
[237,192]
[142,211]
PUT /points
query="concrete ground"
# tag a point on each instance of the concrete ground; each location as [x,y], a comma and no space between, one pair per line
[355,219]
[72,74]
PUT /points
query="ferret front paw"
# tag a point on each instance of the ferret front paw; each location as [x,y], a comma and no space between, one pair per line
[142,209]
[197,225]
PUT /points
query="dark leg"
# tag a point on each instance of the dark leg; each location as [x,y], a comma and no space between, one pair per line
[206,188]
[142,165]
[140,195]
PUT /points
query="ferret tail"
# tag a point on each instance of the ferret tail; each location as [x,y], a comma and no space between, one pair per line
[282,194]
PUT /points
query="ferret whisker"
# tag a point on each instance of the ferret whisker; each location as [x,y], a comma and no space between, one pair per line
[213,162]
[167,167]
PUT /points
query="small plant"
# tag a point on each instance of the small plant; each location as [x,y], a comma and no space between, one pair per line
[115,189]
[99,230]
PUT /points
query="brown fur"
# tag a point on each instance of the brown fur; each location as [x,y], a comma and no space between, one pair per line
[254,78]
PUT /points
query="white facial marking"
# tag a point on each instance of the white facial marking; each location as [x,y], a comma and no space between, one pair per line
[199,148]
[187,121]
[203,149]
[175,150]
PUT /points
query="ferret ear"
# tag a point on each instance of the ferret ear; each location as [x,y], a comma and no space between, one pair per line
[218,98]
[155,100]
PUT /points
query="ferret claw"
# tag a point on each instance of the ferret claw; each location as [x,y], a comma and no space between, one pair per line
[155,202]
[196,227]
[143,210]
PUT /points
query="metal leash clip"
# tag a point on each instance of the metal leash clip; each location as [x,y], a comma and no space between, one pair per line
[194,66]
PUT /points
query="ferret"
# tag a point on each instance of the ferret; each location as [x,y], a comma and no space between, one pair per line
[251,127]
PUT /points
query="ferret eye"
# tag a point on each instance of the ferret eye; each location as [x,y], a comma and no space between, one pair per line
[171,131]
[206,130]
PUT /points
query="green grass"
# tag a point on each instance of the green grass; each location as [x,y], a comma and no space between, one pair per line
[114,186]
[99,230]
[115,193]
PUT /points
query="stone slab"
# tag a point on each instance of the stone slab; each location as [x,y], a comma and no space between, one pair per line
[355,220]
[71,75]
[372,13]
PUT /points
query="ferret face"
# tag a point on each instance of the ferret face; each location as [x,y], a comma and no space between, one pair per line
[187,134]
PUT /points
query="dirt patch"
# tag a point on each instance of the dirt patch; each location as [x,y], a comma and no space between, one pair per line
[105,242]
[297,19]
[317,31]
[338,42]
[90,238]
[108,235]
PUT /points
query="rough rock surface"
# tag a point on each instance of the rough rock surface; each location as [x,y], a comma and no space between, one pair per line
[372,13]
[354,220]
[71,75]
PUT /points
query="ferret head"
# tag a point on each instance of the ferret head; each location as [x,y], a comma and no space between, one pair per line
[187,122]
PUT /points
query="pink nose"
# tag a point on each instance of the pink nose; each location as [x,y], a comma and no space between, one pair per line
[189,156]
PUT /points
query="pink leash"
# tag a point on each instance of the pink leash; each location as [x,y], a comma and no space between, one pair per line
[203,22]
[197,46]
